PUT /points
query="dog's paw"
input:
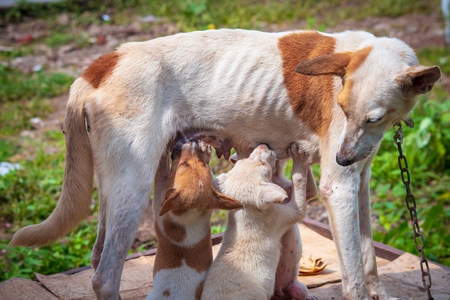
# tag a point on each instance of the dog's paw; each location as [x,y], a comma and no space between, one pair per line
[377,291]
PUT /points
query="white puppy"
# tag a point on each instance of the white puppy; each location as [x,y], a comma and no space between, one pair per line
[247,261]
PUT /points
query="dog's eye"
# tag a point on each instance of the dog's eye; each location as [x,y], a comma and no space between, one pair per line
[374,120]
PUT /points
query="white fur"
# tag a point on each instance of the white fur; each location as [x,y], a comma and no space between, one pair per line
[181,282]
[246,264]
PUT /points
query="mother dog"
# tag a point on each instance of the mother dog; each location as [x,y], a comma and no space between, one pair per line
[335,95]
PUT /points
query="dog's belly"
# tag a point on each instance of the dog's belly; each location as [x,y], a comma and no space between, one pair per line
[233,90]
[245,139]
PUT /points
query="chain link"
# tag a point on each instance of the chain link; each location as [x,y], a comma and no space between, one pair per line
[411,205]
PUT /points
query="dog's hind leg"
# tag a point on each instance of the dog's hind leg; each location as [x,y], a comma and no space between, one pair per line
[127,200]
[99,242]
[287,285]
[126,167]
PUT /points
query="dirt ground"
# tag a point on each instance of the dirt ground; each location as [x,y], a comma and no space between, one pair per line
[417,30]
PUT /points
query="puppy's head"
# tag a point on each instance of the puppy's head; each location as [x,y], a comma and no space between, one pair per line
[189,185]
[250,180]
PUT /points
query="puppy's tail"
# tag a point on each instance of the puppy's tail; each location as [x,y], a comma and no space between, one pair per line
[73,205]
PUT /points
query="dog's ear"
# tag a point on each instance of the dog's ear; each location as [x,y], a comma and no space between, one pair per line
[419,79]
[330,64]
[169,201]
[271,193]
[221,201]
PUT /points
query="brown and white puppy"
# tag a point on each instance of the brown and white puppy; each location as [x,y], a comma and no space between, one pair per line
[335,95]
[185,203]
[246,264]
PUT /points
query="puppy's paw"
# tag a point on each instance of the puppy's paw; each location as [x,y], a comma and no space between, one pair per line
[298,154]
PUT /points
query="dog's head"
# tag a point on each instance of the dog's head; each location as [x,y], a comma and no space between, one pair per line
[250,180]
[380,83]
[189,185]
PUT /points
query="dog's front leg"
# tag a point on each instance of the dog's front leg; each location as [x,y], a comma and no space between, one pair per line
[339,189]
[375,287]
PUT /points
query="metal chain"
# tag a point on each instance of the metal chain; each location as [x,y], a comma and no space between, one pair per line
[411,205]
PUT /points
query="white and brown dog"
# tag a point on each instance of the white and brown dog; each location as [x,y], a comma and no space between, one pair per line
[334,95]
[185,202]
[246,264]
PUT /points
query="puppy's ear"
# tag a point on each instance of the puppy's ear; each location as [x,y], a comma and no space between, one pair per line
[234,158]
[219,180]
[221,201]
[271,193]
[419,79]
[330,64]
[170,201]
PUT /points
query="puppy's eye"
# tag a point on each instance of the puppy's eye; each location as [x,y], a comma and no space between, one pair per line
[266,171]
[374,120]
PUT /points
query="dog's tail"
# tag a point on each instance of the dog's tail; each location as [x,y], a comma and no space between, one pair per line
[73,205]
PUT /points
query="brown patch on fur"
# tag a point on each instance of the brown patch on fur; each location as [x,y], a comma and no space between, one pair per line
[357,59]
[311,97]
[166,293]
[101,69]
[190,186]
[344,95]
[199,290]
[171,256]
[174,231]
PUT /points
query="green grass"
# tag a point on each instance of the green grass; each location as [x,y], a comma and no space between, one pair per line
[27,196]
[15,52]
[198,14]
[59,39]
[25,96]
[18,86]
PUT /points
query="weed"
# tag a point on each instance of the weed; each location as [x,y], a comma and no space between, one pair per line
[427,149]
[72,252]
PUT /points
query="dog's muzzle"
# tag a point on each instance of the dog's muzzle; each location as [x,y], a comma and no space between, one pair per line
[343,161]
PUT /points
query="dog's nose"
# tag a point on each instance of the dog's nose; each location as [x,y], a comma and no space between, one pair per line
[342,161]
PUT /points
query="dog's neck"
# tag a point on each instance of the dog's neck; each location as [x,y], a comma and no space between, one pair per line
[194,225]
